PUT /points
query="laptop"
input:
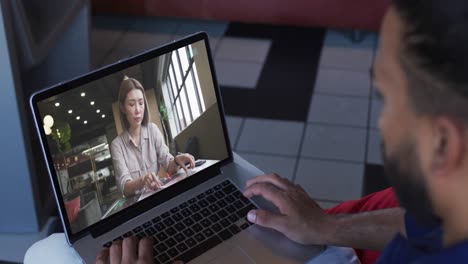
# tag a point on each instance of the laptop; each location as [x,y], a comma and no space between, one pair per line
[96,167]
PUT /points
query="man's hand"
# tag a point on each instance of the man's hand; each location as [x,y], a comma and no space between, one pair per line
[130,250]
[301,219]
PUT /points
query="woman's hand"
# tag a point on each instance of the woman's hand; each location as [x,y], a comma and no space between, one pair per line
[151,182]
[183,159]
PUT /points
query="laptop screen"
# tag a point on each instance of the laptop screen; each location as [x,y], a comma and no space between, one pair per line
[121,138]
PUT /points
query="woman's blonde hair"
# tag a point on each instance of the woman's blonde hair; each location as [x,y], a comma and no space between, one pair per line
[127,85]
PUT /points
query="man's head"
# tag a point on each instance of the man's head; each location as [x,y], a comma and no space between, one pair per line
[422,73]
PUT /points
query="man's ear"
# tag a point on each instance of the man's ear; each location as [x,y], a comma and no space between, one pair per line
[449,145]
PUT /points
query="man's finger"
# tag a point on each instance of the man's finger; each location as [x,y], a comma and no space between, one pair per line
[103,257]
[129,250]
[267,219]
[145,250]
[270,193]
[115,252]
[181,164]
[274,179]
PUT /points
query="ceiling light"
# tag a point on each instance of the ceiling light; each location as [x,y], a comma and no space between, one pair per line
[57,104]
[47,130]
[83,94]
[78,118]
[98,111]
[103,116]
[85,122]
[92,103]
[70,111]
[48,121]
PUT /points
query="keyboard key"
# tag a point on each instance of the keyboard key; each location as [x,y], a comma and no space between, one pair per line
[155,240]
[147,224]
[168,221]
[192,201]
[117,238]
[205,222]
[225,223]
[171,231]
[243,212]
[226,182]
[244,226]
[108,244]
[200,237]
[137,229]
[156,219]
[244,200]
[238,204]
[221,213]
[205,212]
[211,199]
[186,212]
[237,194]
[229,199]
[214,208]
[190,242]
[225,234]
[210,191]
[199,249]
[179,226]
[163,257]
[234,229]
[128,234]
[197,217]
[188,232]
[197,228]
[188,222]
[218,187]
[214,218]
[230,209]
[159,226]
[216,227]
[183,205]
[150,231]
[233,218]
[195,208]
[174,210]
[219,195]
[160,248]
[222,203]
[173,252]
[203,203]
[229,189]
[201,196]
[141,235]
[170,242]
[179,237]
[181,247]
[177,217]
[165,215]
[161,236]
[208,232]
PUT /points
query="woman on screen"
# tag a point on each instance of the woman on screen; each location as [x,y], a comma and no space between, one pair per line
[139,151]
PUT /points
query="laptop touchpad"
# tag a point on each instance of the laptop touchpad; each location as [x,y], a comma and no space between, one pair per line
[233,256]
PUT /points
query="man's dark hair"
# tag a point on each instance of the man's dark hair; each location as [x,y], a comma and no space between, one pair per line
[434,55]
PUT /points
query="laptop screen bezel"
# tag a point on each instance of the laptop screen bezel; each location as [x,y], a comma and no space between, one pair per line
[162,196]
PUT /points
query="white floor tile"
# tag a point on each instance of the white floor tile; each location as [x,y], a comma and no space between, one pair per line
[335,181]
[233,125]
[271,136]
[238,74]
[283,166]
[334,142]
[243,49]
[339,110]
[343,82]
[376,109]
[374,154]
[358,59]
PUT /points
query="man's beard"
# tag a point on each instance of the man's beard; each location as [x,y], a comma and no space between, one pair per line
[404,172]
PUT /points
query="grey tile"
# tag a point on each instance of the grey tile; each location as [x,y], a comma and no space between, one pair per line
[327,204]
[283,166]
[334,142]
[134,43]
[271,136]
[343,82]
[238,74]
[335,38]
[376,110]
[374,154]
[357,59]
[339,110]
[243,49]
[233,125]
[328,180]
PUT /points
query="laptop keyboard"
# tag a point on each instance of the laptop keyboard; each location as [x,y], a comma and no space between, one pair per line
[196,225]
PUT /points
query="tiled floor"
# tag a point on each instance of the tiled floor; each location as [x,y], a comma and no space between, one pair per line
[328,145]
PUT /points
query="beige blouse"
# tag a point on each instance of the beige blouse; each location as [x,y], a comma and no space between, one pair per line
[132,161]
